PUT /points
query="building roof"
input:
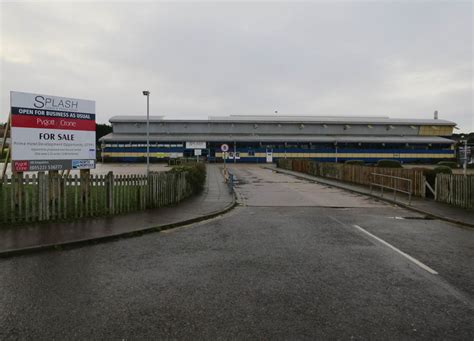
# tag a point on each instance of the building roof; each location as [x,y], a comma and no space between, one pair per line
[276,138]
[288,119]
[134,119]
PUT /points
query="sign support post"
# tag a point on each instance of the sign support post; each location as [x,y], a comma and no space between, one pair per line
[4,141]
[465,158]
[224,150]
[225,156]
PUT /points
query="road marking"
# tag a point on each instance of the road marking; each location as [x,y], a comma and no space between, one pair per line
[416,261]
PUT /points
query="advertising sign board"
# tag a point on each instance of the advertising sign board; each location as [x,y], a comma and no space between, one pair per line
[195,145]
[51,133]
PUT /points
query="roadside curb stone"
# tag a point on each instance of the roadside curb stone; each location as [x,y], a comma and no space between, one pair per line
[113,237]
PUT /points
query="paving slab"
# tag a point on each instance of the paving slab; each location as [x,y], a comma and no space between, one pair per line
[215,198]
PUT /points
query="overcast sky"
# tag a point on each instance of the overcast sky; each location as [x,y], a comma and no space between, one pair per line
[401,59]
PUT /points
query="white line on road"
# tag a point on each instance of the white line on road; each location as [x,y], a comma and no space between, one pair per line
[416,261]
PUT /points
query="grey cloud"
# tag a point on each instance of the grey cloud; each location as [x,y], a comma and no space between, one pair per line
[363,58]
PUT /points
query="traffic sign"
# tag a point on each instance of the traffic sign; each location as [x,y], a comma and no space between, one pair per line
[225,148]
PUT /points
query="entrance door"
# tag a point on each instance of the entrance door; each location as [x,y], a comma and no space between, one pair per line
[269,155]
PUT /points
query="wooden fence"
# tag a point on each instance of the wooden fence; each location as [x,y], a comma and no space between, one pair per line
[455,189]
[358,174]
[44,197]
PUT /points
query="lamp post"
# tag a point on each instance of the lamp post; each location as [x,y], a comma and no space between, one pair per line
[465,155]
[147,94]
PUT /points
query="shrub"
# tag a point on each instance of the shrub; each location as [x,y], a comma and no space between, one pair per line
[355,162]
[443,169]
[470,166]
[430,174]
[450,164]
[389,164]
[196,175]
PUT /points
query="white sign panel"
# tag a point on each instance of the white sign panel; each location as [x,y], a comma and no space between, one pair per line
[197,152]
[195,145]
[51,133]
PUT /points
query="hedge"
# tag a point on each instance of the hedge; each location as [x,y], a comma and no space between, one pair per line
[355,162]
[196,175]
[450,164]
[389,164]
[430,174]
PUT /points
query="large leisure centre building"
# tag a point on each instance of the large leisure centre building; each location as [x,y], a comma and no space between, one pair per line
[263,139]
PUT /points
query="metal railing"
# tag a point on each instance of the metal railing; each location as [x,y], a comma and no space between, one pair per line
[395,180]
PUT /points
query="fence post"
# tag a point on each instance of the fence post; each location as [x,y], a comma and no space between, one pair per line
[52,193]
[43,196]
[18,191]
[109,193]
[85,191]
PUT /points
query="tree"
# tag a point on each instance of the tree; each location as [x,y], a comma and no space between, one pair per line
[101,130]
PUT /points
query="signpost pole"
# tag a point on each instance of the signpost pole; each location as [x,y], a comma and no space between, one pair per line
[5,134]
[225,155]
[224,149]
[4,141]
[7,159]
[235,153]
[148,134]
[465,157]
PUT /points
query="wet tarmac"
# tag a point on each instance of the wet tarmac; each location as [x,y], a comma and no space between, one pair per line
[268,270]
[258,186]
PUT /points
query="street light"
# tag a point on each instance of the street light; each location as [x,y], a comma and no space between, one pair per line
[465,154]
[147,94]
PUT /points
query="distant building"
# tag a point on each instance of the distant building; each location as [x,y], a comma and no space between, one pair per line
[266,138]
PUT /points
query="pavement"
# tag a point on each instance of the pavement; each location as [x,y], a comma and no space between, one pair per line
[215,199]
[429,207]
[268,269]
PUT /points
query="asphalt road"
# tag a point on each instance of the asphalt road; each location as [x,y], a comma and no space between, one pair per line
[289,263]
